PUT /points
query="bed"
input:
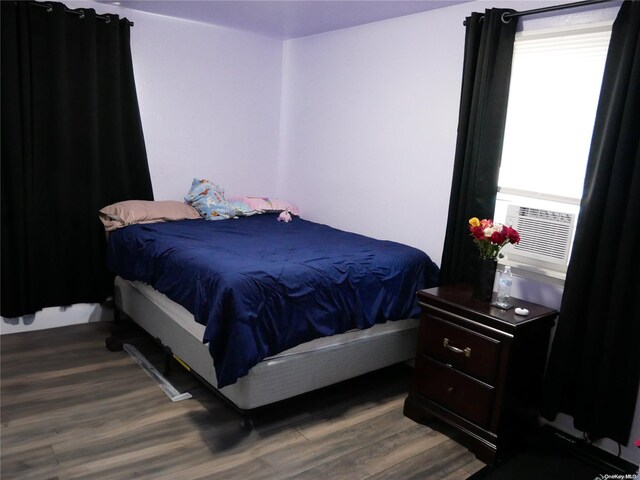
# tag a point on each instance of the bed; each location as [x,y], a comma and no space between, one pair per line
[262,310]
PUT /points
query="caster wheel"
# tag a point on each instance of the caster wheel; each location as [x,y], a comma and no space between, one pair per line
[246,424]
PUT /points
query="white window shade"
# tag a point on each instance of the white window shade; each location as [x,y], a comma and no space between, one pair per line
[555,87]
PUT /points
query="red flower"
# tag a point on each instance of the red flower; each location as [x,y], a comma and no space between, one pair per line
[477,232]
[498,237]
[511,234]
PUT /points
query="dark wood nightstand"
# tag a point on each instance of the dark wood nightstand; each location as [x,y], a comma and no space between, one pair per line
[479,368]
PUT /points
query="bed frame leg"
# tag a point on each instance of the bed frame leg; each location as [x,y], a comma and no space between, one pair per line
[168,355]
[247,423]
[114,342]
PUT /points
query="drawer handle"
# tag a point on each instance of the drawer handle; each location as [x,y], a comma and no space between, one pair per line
[466,351]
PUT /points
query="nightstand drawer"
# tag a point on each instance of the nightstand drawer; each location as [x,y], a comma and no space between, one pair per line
[455,391]
[467,351]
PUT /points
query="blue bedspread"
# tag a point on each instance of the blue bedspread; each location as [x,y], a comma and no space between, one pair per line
[262,286]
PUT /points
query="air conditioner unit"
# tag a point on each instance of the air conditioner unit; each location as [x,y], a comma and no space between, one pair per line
[545,236]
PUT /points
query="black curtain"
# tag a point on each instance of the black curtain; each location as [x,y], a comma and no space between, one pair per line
[594,365]
[71,143]
[483,110]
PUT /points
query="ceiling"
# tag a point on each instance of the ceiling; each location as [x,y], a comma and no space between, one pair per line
[285,19]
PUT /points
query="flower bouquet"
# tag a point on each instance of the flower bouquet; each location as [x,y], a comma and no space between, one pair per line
[490,238]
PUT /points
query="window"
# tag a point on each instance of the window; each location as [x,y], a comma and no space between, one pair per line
[555,86]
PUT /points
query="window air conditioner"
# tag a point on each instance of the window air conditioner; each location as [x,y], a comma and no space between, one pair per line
[545,237]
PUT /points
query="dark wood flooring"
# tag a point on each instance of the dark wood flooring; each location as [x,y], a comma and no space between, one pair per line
[71,409]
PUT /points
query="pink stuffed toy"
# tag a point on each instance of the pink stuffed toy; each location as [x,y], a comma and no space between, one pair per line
[284,216]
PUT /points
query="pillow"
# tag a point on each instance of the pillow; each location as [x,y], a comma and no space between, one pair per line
[266,204]
[241,208]
[129,212]
[208,199]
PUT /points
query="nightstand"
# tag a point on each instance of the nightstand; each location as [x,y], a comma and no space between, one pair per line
[478,368]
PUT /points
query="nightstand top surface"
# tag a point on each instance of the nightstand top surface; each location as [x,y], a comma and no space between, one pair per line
[460,297]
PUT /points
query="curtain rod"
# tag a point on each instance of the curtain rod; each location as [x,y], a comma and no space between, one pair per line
[506,16]
[79,12]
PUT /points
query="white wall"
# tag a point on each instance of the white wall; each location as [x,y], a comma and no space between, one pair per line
[369,123]
[210,105]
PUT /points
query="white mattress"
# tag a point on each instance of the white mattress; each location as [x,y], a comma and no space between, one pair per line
[304,368]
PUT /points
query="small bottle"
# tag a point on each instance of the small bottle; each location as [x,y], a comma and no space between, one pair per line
[504,288]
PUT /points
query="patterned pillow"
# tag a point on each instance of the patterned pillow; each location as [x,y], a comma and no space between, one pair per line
[241,208]
[266,204]
[208,199]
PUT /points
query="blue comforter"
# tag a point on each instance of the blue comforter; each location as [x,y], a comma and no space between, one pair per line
[262,286]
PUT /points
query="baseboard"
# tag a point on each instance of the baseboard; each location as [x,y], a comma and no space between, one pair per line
[55,317]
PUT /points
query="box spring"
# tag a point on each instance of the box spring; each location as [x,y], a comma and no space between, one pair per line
[301,369]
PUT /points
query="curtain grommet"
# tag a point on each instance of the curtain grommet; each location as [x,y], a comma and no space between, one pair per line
[507,20]
[49,8]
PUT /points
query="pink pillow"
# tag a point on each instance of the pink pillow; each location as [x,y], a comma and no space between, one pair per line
[266,204]
[131,212]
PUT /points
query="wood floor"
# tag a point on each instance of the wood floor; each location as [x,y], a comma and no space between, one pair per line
[71,409]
